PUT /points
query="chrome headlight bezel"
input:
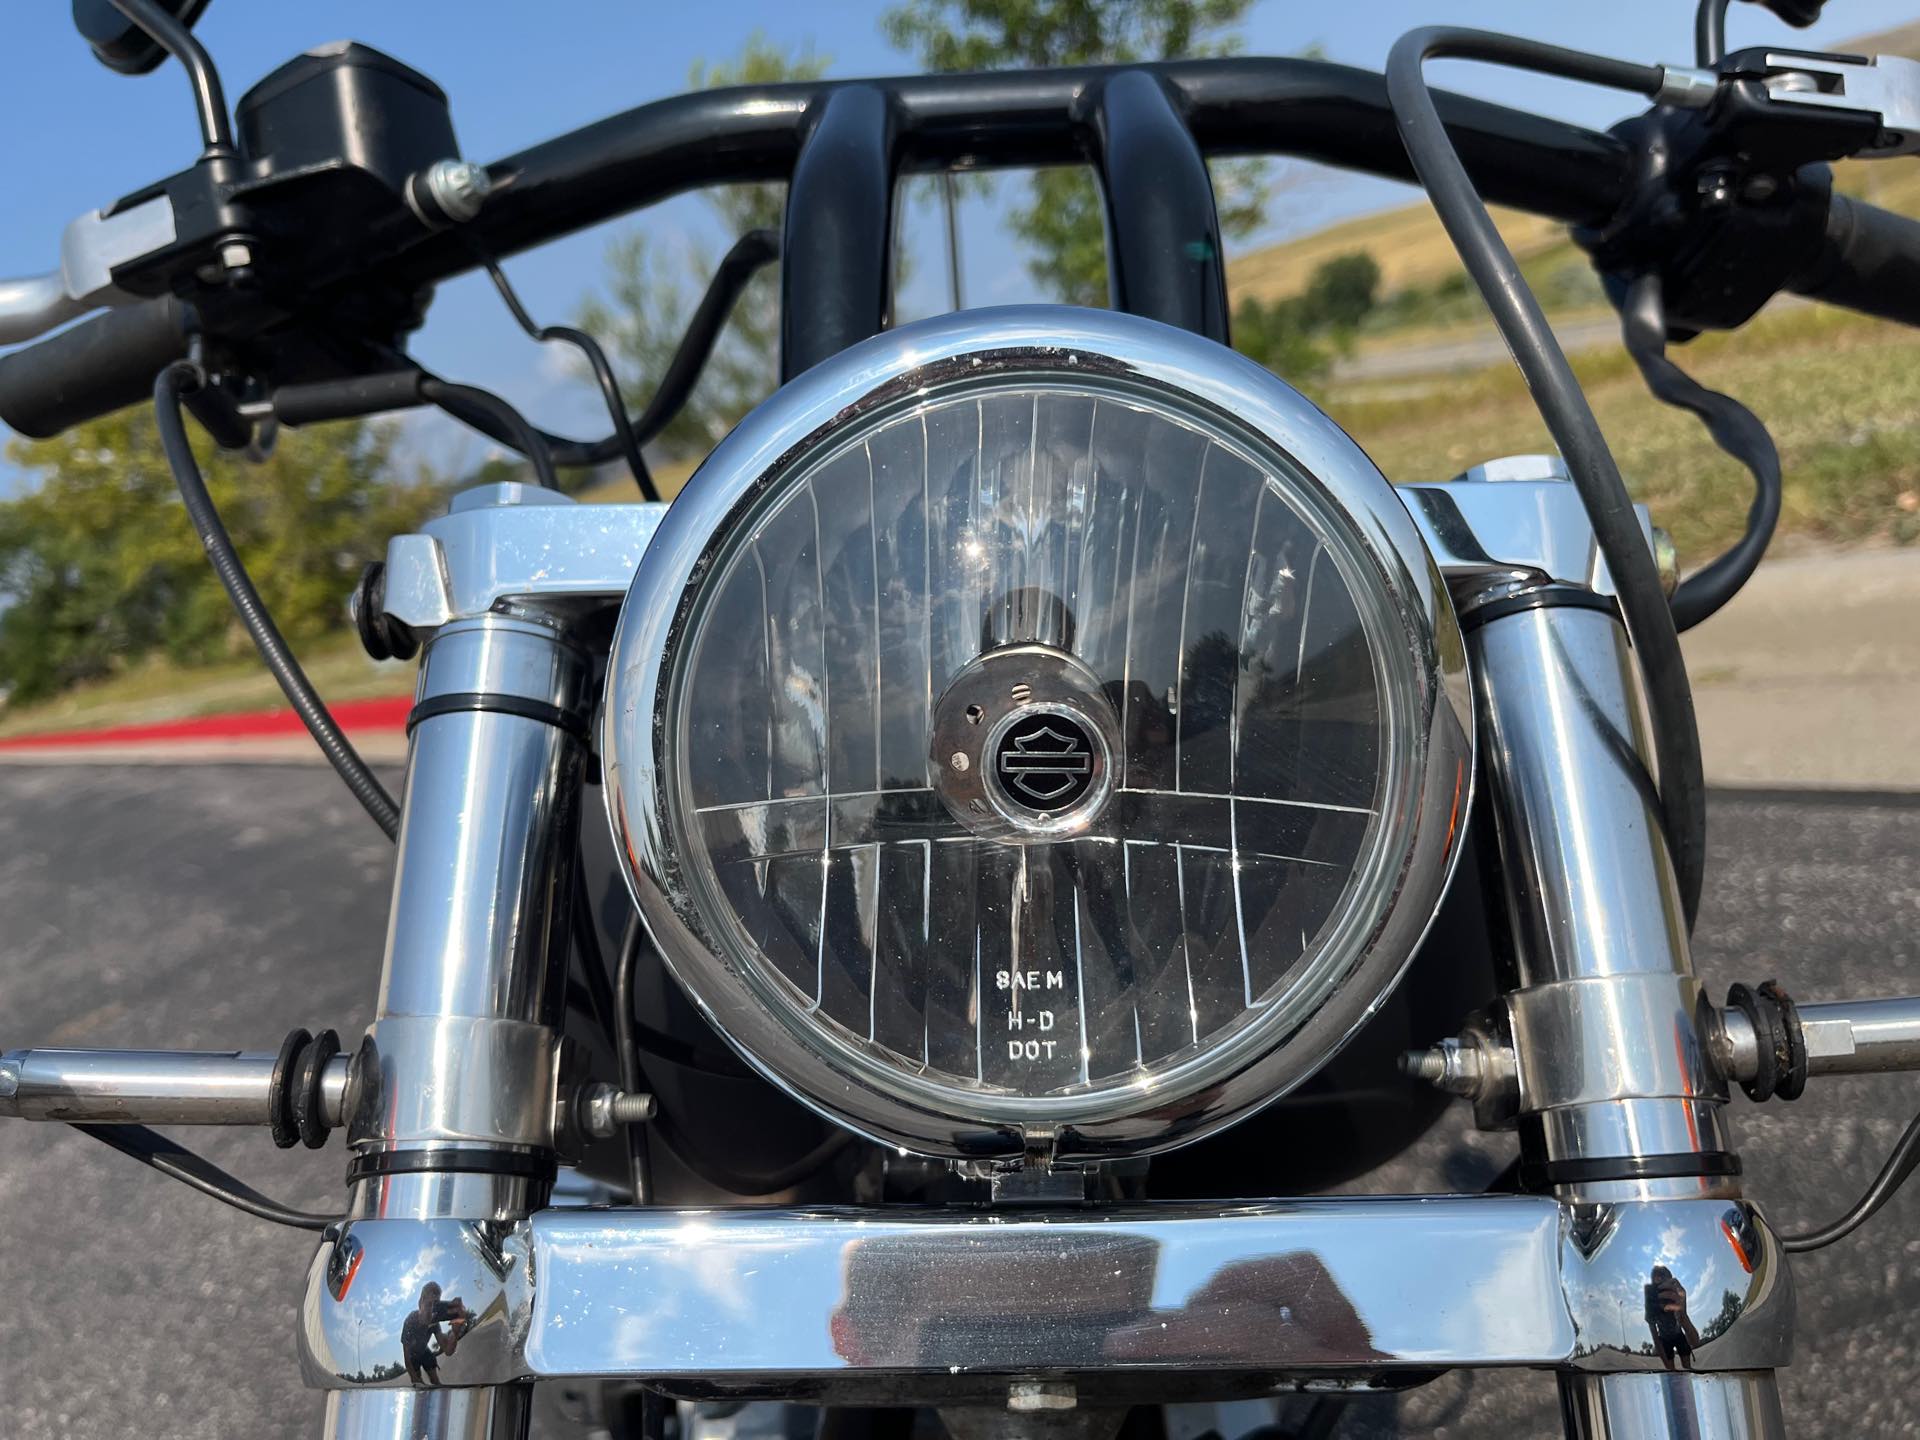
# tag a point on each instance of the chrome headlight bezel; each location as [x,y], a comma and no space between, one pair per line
[843,396]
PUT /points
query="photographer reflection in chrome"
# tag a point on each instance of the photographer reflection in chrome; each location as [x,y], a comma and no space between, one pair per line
[1674,1334]
[432,1329]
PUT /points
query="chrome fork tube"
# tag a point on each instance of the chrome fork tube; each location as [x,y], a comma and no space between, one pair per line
[1739,1405]
[1617,1098]
[455,1118]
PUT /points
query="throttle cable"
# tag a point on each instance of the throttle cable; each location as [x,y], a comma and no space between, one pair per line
[1562,404]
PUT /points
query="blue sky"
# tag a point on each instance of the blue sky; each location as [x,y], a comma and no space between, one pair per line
[517,73]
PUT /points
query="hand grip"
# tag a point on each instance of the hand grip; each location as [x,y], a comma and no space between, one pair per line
[1870,262]
[94,368]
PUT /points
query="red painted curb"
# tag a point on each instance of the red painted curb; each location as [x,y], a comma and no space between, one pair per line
[386,713]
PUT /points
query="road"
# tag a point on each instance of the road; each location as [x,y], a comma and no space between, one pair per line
[1479,345]
[220,906]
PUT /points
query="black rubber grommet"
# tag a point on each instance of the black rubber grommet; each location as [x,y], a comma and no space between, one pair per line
[479,702]
[531,1164]
[1548,597]
[1793,1078]
[1593,1171]
[280,1116]
[1769,1038]
[307,1110]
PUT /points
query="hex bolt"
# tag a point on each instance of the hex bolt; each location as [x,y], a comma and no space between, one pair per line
[458,187]
[1451,1066]
[236,255]
[605,1110]
[634,1109]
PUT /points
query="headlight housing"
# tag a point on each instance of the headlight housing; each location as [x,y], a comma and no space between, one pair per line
[1037,730]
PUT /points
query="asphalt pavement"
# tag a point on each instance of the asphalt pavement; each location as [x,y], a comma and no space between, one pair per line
[218,907]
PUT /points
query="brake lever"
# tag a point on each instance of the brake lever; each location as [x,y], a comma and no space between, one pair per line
[92,247]
[1854,92]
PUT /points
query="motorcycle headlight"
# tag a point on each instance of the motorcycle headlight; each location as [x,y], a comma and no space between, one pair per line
[1037,730]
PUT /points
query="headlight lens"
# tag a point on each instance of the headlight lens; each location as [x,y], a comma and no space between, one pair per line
[1028,732]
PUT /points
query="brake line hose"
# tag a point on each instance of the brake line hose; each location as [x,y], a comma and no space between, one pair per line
[1562,404]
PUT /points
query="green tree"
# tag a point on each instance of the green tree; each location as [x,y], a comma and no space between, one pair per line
[1296,336]
[99,567]
[652,288]
[1063,220]
[1342,292]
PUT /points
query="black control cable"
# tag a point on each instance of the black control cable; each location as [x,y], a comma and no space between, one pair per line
[150,1147]
[1735,429]
[493,416]
[639,1162]
[596,358]
[1900,1164]
[175,381]
[752,251]
[1562,404]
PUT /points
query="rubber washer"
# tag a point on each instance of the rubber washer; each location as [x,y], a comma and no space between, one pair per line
[307,1110]
[280,1117]
[1793,1082]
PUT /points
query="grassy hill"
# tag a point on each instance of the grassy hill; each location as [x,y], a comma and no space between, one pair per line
[1837,390]
[1413,252]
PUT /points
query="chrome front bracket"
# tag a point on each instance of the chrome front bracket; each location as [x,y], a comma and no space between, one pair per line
[844,1304]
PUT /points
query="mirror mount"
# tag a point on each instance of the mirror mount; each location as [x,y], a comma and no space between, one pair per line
[119,42]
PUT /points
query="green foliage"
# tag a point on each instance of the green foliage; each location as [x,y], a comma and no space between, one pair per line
[1273,334]
[652,288]
[1341,292]
[991,34]
[1295,337]
[99,567]
[1063,221]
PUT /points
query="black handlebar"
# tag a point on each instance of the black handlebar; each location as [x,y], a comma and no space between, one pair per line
[1303,108]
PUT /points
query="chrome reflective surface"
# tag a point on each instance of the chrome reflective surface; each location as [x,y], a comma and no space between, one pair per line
[151,1087]
[497,1414]
[460,1040]
[505,1095]
[413,1303]
[1564,741]
[1566,1038]
[512,541]
[1672,1407]
[1608,1027]
[1520,514]
[857,833]
[1857,1037]
[746,1298]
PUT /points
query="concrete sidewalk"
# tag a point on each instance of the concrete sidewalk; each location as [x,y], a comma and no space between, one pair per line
[1811,676]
